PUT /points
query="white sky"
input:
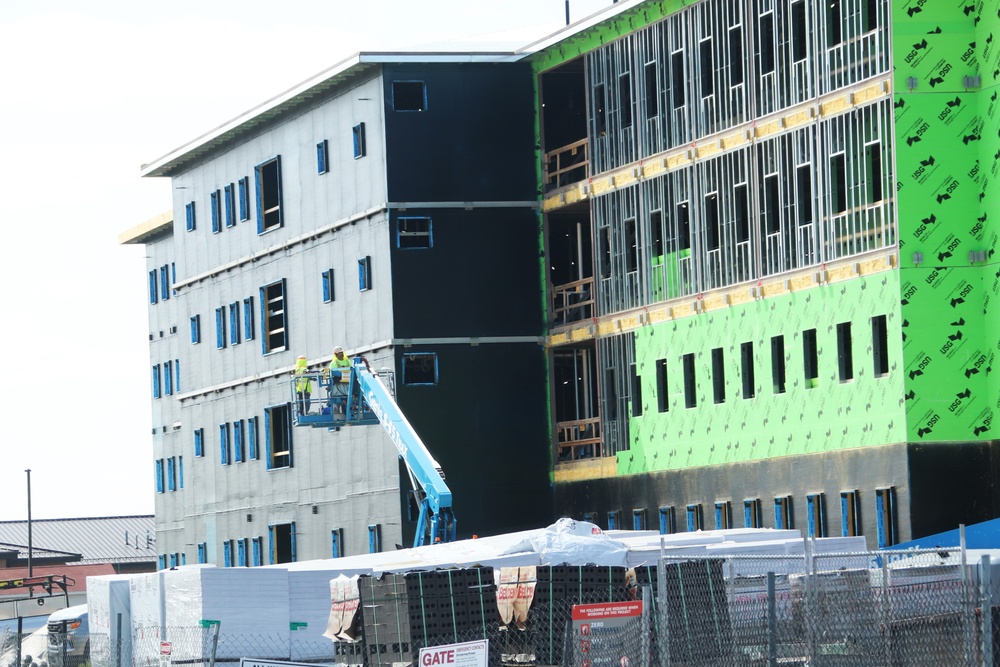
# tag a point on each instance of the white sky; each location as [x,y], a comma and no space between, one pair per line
[89,91]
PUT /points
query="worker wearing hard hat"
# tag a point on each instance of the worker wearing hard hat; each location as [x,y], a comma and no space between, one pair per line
[340,360]
[303,385]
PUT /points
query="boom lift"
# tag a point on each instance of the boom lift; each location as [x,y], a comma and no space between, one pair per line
[362,397]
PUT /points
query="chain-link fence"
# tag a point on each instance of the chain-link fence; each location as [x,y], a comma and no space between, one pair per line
[879,609]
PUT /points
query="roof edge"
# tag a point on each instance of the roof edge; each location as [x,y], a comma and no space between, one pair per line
[141,233]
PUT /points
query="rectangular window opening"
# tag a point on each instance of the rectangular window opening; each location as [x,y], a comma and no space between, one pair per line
[668,520]
[800,42]
[244,195]
[365,273]
[252,439]
[838,183]
[374,538]
[358,140]
[613,520]
[274,336]
[199,442]
[234,323]
[810,359]
[662,390]
[880,349]
[845,356]
[723,515]
[322,157]
[816,515]
[707,66]
[639,518]
[873,172]
[677,80]
[742,211]
[337,543]
[718,375]
[189,216]
[216,211]
[804,199]
[278,427]
[625,99]
[885,517]
[409,96]
[713,232]
[153,289]
[220,327]
[747,370]
[772,203]
[225,444]
[834,18]
[420,368]
[752,515]
[683,226]
[412,233]
[248,318]
[778,364]
[652,89]
[268,184]
[695,518]
[631,247]
[783,513]
[328,294]
[850,514]
[600,113]
[282,539]
[869,15]
[736,56]
[635,391]
[690,384]
[229,196]
[766,37]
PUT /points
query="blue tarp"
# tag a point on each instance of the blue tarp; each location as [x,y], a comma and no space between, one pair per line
[985,535]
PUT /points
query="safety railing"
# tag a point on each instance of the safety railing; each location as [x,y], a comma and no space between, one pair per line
[573,302]
[566,165]
[579,439]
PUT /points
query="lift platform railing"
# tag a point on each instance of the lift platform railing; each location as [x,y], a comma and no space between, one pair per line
[327,399]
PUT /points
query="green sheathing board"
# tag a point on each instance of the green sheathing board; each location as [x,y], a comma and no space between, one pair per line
[946,156]
[607,31]
[833,415]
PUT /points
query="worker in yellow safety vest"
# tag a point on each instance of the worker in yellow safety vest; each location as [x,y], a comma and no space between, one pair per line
[338,364]
[303,385]
[339,361]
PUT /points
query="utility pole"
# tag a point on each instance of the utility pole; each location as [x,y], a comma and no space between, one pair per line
[30,569]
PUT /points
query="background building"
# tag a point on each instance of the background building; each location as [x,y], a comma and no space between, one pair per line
[767,281]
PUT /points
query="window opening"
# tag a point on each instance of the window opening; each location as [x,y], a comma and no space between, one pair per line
[189,216]
[850,514]
[252,438]
[695,520]
[783,513]
[752,515]
[156,381]
[632,250]
[199,446]
[799,36]
[258,552]
[707,66]
[409,96]
[845,359]
[838,178]
[244,193]
[420,368]
[374,538]
[639,519]
[767,43]
[885,516]
[336,543]
[810,360]
[365,273]
[636,391]
[778,364]
[690,399]
[358,138]
[683,226]
[625,99]
[662,391]
[234,323]
[723,515]
[168,378]
[869,15]
[328,286]
[606,252]
[278,427]
[677,79]
[268,183]
[220,327]
[282,538]
[713,233]
[239,451]
[230,199]
[652,89]
[772,217]
[153,290]
[414,233]
[600,115]
[834,17]
[216,211]
[718,375]
[158,471]
[165,282]
[873,172]
[736,56]
[668,520]
[747,370]
[275,335]
[816,515]
[322,158]
[742,202]
[880,349]
[225,444]
[248,318]
[613,520]
[803,180]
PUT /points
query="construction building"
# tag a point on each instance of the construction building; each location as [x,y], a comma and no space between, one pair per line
[686,260]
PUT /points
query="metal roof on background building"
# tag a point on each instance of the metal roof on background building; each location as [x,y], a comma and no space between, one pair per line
[114,539]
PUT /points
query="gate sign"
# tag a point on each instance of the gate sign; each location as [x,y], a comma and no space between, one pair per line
[164,648]
[466,654]
[600,629]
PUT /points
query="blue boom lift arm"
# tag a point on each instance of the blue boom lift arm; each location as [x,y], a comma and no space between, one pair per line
[367,400]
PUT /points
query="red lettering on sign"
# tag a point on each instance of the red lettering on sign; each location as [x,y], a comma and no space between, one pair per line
[439,658]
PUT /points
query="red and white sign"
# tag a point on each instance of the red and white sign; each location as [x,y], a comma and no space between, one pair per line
[164,648]
[607,610]
[466,654]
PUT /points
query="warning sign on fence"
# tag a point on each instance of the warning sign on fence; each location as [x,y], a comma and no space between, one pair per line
[466,654]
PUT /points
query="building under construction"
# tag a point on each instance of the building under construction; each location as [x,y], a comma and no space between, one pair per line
[754,276]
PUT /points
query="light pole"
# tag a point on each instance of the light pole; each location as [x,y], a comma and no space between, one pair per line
[30,569]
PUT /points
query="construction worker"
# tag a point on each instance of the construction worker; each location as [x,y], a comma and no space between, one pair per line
[339,362]
[303,385]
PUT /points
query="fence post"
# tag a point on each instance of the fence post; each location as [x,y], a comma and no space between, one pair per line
[663,620]
[772,623]
[986,616]
[215,644]
[647,612]
[886,611]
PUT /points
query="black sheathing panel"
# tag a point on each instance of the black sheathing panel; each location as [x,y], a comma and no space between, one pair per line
[474,142]
[480,278]
[485,422]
